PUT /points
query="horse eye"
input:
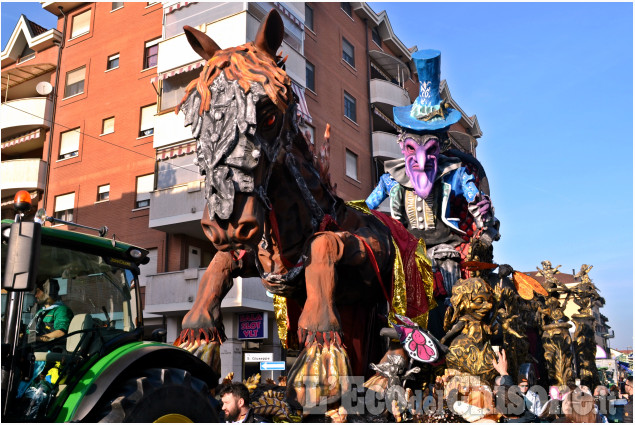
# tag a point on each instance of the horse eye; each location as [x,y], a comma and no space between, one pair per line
[270,121]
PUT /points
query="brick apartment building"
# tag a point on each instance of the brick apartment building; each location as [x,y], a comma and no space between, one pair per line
[117,155]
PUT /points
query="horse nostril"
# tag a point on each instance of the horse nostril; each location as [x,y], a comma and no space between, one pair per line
[246,230]
[216,234]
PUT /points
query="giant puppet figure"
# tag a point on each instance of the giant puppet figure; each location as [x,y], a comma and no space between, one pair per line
[435,196]
[269,215]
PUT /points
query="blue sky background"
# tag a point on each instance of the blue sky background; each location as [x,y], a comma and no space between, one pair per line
[552,87]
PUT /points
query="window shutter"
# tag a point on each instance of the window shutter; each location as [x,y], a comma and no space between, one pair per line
[65,202]
[109,125]
[81,24]
[147,117]
[145,185]
[76,76]
[69,142]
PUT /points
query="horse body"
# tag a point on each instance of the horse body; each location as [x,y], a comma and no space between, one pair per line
[270,215]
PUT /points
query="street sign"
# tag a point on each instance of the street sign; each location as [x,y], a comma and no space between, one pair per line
[258,357]
[272,365]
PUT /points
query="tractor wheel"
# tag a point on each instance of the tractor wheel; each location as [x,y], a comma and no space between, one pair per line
[159,395]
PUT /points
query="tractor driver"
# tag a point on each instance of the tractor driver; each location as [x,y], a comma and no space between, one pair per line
[53,318]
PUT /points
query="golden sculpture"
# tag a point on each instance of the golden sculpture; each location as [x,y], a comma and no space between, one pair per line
[556,339]
[514,333]
[586,297]
[468,323]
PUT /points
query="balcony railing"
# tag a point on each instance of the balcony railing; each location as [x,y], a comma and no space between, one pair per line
[382,91]
[170,129]
[178,209]
[25,114]
[385,145]
[174,292]
[17,174]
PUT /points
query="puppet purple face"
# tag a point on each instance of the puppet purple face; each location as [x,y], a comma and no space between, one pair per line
[421,154]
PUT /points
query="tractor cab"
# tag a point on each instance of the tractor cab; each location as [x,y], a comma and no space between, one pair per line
[72,332]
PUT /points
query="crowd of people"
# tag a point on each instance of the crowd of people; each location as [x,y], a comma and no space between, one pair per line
[507,402]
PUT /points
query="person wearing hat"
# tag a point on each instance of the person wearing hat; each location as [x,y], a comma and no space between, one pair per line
[428,190]
[53,318]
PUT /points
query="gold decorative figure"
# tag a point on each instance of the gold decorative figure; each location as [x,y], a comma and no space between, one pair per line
[556,339]
[468,323]
[586,296]
[514,333]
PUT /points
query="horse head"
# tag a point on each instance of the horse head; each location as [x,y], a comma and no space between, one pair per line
[242,113]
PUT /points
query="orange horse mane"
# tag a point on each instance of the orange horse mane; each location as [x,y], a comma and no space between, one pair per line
[245,64]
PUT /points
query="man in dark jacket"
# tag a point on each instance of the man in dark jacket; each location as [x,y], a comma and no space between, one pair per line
[235,399]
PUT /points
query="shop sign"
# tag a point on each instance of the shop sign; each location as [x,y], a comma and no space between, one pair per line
[252,325]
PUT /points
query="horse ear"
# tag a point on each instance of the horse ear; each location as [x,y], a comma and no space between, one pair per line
[270,33]
[200,42]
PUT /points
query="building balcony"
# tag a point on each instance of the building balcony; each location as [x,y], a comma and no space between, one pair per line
[385,95]
[23,115]
[169,129]
[178,209]
[173,293]
[18,174]
[385,145]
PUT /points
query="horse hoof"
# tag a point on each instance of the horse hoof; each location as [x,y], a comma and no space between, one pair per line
[322,372]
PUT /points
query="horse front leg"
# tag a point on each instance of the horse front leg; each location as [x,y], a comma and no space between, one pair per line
[204,322]
[323,368]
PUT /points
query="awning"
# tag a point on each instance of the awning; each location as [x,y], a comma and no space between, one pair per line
[303,109]
[17,140]
[176,7]
[174,151]
[14,76]
[390,122]
[177,71]
[289,15]
[395,67]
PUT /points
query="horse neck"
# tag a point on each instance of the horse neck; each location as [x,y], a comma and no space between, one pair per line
[300,200]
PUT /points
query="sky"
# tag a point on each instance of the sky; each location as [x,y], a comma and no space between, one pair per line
[552,87]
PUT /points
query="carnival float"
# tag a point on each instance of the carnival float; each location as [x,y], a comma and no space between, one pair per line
[410,301]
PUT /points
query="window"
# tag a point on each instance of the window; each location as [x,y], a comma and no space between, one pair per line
[145,185]
[310,76]
[64,205]
[108,125]
[146,126]
[116,5]
[151,54]
[308,17]
[376,36]
[69,144]
[103,193]
[174,88]
[346,7]
[348,52]
[81,24]
[113,62]
[350,107]
[351,164]
[75,82]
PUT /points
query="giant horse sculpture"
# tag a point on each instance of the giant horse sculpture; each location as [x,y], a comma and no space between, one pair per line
[270,215]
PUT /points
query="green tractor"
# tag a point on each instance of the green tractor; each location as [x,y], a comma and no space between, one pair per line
[100,369]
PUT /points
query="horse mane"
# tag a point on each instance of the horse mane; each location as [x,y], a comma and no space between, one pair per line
[245,64]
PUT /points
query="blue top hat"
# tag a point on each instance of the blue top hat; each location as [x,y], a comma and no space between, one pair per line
[428,111]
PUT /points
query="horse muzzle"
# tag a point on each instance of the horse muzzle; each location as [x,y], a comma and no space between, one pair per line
[242,230]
